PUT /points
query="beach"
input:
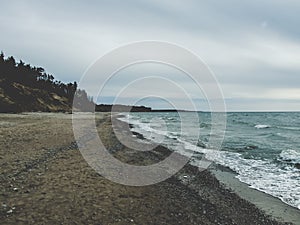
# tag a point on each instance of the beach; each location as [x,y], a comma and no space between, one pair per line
[45,180]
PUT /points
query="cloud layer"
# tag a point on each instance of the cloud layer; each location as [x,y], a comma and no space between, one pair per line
[253,47]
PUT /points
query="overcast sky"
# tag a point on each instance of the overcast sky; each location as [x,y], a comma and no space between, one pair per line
[253,47]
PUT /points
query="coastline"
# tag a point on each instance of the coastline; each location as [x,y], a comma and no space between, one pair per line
[44,179]
[269,204]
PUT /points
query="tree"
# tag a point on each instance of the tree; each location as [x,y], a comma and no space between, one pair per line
[2,57]
[11,62]
[35,79]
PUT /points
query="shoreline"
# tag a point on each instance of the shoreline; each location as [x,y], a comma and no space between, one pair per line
[44,179]
[269,204]
[264,201]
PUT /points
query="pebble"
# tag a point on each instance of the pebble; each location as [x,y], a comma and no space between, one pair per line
[9,211]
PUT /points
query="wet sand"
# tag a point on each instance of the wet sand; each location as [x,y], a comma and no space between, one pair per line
[45,180]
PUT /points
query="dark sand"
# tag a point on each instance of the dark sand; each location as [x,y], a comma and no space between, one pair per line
[45,180]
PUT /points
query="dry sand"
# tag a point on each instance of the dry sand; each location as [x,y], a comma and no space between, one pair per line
[45,180]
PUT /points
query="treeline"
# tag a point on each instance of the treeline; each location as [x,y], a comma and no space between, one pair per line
[19,78]
[121,108]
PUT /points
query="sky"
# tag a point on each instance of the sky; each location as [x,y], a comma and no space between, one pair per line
[252,47]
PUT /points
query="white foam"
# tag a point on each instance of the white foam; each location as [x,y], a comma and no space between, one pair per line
[283,183]
[262,126]
[290,156]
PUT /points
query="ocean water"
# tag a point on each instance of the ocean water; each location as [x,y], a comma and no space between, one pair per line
[262,148]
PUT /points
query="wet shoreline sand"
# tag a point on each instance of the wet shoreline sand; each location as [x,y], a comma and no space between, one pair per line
[45,180]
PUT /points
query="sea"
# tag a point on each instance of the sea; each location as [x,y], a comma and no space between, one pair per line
[262,148]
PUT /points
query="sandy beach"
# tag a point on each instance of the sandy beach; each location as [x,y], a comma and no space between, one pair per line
[45,180]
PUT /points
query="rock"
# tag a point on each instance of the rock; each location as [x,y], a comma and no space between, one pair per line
[9,211]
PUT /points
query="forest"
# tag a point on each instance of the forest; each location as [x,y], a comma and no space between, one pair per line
[24,87]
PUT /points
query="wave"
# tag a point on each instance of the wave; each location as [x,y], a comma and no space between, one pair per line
[290,156]
[172,119]
[201,144]
[241,122]
[288,128]
[262,126]
[205,125]
[263,175]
